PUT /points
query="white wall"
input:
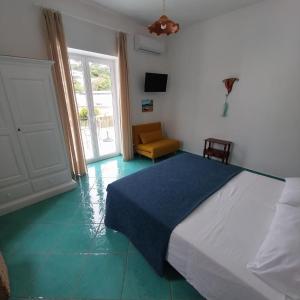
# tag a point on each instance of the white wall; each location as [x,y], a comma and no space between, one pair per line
[139,64]
[261,45]
[21,29]
[87,27]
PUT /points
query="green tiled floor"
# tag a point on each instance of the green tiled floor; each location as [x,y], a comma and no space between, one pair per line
[60,248]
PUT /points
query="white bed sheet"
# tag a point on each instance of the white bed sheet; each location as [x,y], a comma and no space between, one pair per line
[213,245]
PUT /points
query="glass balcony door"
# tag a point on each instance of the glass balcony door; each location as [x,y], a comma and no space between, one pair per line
[95,87]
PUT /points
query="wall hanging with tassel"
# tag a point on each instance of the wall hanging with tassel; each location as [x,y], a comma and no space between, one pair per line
[229,82]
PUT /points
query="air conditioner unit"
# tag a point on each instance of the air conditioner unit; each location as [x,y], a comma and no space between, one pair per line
[148,44]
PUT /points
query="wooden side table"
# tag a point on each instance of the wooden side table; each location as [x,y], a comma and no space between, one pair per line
[223,152]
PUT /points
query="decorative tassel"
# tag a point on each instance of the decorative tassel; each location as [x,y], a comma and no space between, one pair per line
[226,106]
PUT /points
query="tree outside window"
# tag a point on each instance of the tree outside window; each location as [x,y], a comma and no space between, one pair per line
[100,77]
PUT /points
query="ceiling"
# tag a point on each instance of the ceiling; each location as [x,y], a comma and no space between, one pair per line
[184,12]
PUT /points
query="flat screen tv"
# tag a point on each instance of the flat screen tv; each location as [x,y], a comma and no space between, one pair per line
[155,82]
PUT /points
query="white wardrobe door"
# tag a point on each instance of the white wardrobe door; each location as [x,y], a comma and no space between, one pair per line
[31,97]
[12,168]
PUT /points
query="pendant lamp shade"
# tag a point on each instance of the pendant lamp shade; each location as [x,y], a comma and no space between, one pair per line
[164,25]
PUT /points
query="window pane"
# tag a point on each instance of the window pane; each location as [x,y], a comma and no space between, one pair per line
[81,99]
[103,107]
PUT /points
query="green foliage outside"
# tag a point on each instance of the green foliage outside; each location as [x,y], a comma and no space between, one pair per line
[84,113]
[78,87]
[102,121]
[100,77]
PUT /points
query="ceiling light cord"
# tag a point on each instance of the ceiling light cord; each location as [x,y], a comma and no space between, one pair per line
[164,7]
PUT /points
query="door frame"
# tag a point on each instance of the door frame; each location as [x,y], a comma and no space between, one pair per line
[111,61]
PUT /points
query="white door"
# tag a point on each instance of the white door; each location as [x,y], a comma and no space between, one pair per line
[12,168]
[95,87]
[30,96]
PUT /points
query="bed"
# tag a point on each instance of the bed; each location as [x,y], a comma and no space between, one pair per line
[211,245]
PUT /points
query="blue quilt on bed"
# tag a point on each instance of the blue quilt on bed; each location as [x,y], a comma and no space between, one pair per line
[147,206]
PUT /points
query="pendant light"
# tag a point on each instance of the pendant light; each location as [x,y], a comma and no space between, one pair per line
[164,25]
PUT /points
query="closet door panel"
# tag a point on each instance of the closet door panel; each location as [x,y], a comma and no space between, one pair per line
[12,168]
[14,192]
[30,94]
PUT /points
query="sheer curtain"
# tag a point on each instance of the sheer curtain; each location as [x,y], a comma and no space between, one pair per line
[66,97]
[126,130]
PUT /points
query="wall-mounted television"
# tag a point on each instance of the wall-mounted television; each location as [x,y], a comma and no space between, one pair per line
[155,82]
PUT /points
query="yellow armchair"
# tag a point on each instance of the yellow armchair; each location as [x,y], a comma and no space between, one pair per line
[149,141]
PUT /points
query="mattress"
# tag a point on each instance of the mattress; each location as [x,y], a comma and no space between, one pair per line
[213,245]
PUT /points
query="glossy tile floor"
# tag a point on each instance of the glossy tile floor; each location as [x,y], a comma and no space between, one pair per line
[60,248]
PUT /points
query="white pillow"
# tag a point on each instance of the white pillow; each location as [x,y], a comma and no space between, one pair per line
[291,192]
[277,262]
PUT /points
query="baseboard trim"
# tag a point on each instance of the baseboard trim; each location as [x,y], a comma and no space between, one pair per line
[34,198]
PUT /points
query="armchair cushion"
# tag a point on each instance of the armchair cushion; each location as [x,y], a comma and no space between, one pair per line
[158,148]
[152,136]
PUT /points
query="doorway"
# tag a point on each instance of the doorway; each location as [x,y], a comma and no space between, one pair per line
[94,80]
